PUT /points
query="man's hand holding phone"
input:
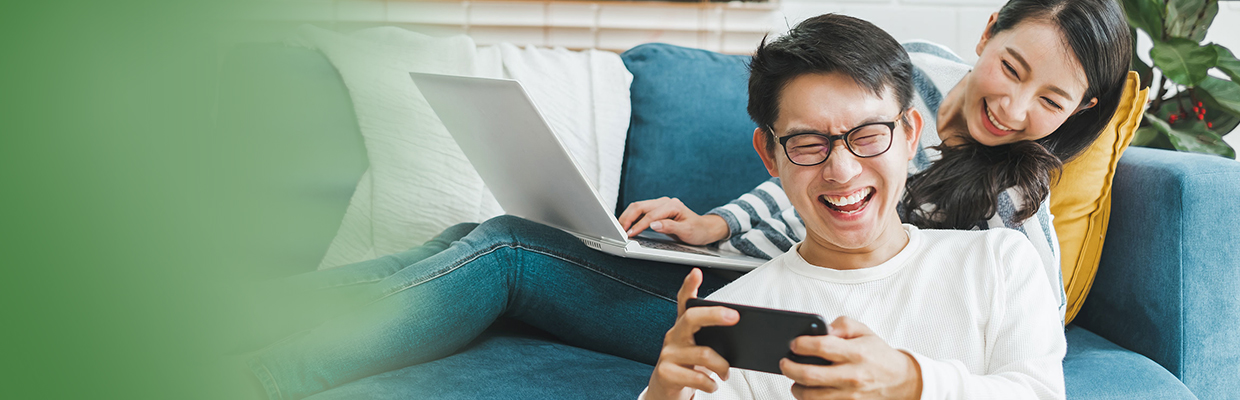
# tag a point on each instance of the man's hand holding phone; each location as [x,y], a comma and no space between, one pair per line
[858,363]
[864,366]
[683,365]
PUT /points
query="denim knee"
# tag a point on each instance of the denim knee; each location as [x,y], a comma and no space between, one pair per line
[508,223]
[456,232]
[506,230]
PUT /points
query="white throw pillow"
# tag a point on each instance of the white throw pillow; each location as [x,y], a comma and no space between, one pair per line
[419,182]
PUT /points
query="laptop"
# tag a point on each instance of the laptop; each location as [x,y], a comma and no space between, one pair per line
[533,176]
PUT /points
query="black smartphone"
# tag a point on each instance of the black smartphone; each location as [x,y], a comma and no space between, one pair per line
[761,338]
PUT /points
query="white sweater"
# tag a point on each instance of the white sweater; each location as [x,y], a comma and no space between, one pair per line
[973,308]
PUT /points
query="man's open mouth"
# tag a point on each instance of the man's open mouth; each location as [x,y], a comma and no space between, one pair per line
[849,204]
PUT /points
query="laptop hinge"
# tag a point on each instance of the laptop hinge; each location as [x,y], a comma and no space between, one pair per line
[593,241]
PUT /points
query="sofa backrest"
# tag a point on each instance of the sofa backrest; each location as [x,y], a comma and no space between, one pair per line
[690,136]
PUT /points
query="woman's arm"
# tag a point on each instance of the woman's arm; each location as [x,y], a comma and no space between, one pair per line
[762,223]
[671,217]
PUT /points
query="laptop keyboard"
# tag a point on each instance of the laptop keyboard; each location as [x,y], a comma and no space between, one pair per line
[655,244]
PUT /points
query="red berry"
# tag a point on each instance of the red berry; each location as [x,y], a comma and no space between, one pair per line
[1199,104]
[1209,124]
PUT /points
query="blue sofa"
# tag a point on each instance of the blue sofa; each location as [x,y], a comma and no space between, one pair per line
[1162,320]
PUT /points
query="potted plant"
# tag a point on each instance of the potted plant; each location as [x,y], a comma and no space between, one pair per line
[1190,109]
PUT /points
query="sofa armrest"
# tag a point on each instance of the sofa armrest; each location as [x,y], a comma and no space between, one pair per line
[1168,285]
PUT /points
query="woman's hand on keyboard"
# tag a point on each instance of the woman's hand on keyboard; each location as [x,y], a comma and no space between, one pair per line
[671,217]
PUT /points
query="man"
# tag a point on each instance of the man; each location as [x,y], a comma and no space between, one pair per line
[921,313]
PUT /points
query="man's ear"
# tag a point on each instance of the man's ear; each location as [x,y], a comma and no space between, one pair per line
[981,44]
[768,156]
[913,130]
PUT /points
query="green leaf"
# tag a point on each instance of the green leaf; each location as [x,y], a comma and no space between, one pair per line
[1192,137]
[1145,136]
[1223,120]
[1170,105]
[1183,61]
[1146,15]
[1190,18]
[1181,14]
[1223,92]
[1179,102]
[1152,138]
[1208,19]
[1227,62]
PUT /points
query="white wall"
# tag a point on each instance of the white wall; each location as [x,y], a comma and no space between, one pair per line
[622,24]
[1226,31]
[956,24]
[726,27]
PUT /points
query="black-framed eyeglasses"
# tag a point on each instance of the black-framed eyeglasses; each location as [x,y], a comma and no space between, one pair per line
[812,148]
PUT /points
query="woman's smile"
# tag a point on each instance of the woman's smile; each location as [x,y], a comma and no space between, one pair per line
[992,124]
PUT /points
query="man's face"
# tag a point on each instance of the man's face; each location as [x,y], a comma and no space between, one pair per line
[848,203]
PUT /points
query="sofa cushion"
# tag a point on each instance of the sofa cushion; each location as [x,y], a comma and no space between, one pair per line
[515,361]
[690,136]
[510,361]
[1097,369]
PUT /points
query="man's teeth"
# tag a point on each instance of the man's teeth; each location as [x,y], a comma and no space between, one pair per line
[993,121]
[850,199]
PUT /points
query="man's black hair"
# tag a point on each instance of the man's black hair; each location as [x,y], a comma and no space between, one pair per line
[821,45]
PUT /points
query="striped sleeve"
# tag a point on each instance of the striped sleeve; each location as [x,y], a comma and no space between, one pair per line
[935,49]
[1040,230]
[761,223]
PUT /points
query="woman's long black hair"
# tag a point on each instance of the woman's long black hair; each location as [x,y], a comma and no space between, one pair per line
[961,189]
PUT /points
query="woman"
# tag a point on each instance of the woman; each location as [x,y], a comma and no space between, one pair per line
[1048,79]
[989,171]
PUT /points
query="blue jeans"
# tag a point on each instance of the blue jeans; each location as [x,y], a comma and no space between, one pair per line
[425,303]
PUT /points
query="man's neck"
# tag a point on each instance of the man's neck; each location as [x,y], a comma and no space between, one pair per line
[889,243]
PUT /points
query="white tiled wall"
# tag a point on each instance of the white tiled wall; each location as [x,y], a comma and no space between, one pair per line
[732,27]
[727,27]
[612,25]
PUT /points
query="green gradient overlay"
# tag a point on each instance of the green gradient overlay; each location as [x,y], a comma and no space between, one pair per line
[128,215]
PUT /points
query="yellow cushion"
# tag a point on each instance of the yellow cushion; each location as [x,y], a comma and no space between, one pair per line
[1081,199]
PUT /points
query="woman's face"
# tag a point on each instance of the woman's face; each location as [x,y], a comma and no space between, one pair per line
[1025,84]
